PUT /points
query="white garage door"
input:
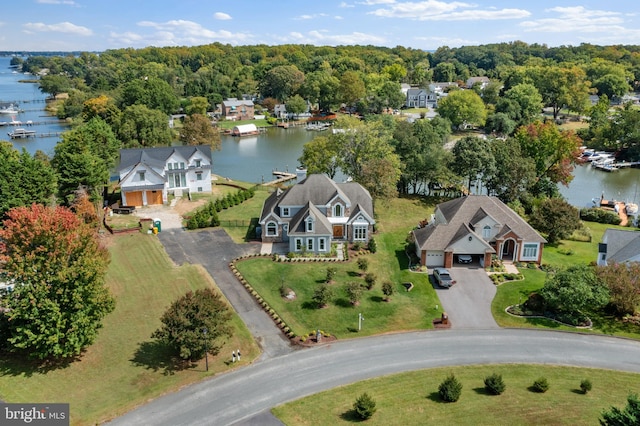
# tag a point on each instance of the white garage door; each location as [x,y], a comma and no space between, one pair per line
[434,259]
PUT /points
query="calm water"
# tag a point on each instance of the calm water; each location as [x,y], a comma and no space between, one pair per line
[29,99]
[253,159]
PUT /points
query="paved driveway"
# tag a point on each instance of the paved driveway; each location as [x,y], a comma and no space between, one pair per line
[468,302]
[214,249]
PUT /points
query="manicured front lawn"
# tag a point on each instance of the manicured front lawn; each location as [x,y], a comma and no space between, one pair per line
[412,398]
[406,311]
[124,368]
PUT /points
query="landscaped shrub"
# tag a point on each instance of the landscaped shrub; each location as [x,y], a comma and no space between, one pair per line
[594,214]
[387,289]
[370,280]
[585,386]
[450,389]
[540,385]
[322,295]
[331,273]
[363,264]
[372,246]
[354,292]
[364,406]
[494,384]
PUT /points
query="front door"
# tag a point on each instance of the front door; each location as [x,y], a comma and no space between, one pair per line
[508,248]
[338,231]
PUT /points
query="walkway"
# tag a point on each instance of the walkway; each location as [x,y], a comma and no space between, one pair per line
[238,396]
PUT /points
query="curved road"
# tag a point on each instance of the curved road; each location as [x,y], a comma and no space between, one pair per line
[237,396]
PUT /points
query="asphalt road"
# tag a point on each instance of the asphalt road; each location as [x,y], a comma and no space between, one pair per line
[237,397]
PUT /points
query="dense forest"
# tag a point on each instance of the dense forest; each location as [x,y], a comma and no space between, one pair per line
[121,98]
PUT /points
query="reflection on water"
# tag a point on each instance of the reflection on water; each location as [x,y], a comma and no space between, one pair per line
[589,183]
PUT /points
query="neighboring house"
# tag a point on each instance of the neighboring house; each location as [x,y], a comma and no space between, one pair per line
[234,109]
[480,226]
[482,81]
[619,246]
[315,212]
[149,175]
[421,98]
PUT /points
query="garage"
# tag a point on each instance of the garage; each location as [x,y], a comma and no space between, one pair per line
[153,197]
[434,259]
[133,198]
[466,259]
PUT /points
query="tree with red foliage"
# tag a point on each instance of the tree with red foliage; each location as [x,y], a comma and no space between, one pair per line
[57,267]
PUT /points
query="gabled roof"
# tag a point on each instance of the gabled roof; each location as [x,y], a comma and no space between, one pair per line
[461,212]
[622,245]
[157,157]
[297,226]
[233,102]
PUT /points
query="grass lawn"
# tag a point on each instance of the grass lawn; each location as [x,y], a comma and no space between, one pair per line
[124,368]
[406,311]
[561,255]
[412,398]
[240,221]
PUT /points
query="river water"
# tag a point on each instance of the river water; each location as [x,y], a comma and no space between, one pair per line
[253,159]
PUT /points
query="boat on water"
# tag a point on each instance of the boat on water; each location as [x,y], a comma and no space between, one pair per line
[631,209]
[9,109]
[22,134]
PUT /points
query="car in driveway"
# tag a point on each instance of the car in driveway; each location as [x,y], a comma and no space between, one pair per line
[464,258]
[443,277]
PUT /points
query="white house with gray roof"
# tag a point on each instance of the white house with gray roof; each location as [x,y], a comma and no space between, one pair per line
[480,226]
[315,212]
[149,175]
[619,246]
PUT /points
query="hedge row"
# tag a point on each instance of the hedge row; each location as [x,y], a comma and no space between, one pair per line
[207,216]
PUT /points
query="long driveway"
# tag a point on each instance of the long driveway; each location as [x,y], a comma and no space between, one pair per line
[214,249]
[237,396]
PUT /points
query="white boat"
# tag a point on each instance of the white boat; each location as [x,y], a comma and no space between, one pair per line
[22,134]
[9,109]
[631,208]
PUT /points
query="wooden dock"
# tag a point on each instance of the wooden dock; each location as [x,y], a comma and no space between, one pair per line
[281,177]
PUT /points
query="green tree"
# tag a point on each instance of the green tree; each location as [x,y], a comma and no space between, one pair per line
[102,107]
[463,108]
[473,158]
[354,292]
[387,290]
[561,87]
[322,295]
[365,406]
[529,101]
[321,88]
[144,127]
[320,156]
[395,72]
[612,85]
[574,290]
[351,88]
[623,282]
[500,123]
[54,84]
[184,324]
[198,130]
[152,92]
[24,179]
[628,416]
[296,105]
[444,72]
[513,174]
[281,82]
[494,384]
[58,267]
[450,389]
[198,105]
[556,218]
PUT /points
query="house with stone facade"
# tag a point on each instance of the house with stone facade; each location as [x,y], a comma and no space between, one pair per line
[316,212]
[479,226]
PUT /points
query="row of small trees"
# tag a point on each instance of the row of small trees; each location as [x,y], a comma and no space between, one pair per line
[208,215]
[354,289]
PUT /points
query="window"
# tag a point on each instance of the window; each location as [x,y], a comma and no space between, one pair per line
[198,163]
[177,180]
[360,232]
[141,175]
[272,229]
[298,244]
[486,232]
[321,244]
[309,225]
[285,211]
[199,176]
[310,244]
[530,251]
[170,166]
[337,210]
[199,189]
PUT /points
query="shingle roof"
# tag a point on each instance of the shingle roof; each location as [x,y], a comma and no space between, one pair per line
[622,245]
[157,157]
[297,226]
[468,210]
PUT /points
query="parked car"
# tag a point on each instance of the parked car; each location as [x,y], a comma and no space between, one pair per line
[443,277]
[464,258]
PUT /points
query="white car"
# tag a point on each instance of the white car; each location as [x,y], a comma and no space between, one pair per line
[443,277]
[464,258]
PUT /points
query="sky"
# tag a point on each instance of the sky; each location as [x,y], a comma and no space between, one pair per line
[98,25]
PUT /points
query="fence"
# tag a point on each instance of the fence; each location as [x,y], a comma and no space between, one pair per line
[235,223]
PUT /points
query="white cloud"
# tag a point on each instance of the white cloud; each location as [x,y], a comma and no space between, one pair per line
[372,2]
[178,33]
[435,42]
[67,2]
[344,4]
[307,17]
[321,37]
[434,10]
[576,19]
[338,17]
[222,16]
[62,27]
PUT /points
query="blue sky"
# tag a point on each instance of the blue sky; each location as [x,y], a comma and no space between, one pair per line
[95,25]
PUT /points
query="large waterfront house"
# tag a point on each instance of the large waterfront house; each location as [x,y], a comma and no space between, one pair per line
[421,98]
[619,246]
[149,175]
[479,226]
[237,109]
[316,212]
